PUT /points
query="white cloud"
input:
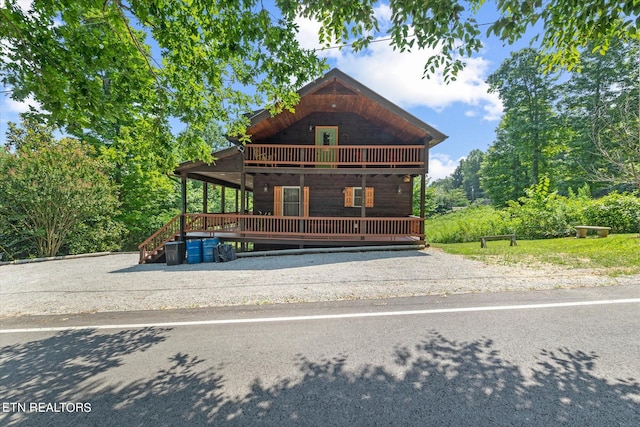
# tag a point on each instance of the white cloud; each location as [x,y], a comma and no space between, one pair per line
[308,38]
[382,12]
[16,107]
[398,76]
[441,166]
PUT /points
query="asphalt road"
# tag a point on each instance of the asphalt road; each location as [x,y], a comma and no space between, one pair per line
[555,357]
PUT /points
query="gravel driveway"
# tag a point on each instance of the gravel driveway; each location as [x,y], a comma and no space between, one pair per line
[117,282]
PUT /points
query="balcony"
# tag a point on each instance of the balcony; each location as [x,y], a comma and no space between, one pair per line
[334,156]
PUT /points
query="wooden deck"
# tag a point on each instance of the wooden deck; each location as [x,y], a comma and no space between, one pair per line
[281,230]
[335,156]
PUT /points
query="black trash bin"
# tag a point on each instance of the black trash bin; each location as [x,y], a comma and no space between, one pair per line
[174,252]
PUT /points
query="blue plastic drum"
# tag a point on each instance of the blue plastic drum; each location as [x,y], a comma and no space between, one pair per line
[194,251]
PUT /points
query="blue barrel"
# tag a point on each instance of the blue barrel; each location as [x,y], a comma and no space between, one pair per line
[194,251]
[208,246]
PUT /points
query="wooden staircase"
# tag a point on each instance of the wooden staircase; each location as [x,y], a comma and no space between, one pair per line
[152,249]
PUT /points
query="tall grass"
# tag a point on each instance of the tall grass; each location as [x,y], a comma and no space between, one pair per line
[539,215]
[468,225]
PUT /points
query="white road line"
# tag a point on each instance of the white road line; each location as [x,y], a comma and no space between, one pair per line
[324,316]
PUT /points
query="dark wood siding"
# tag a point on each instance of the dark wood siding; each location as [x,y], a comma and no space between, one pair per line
[352,130]
[326,197]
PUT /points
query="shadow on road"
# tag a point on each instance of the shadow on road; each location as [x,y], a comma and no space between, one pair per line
[441,382]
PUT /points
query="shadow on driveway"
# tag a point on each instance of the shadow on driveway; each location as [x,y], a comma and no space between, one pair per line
[277,262]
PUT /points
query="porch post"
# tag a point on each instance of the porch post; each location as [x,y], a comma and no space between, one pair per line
[363,206]
[301,227]
[423,188]
[423,183]
[222,198]
[205,196]
[183,188]
[243,189]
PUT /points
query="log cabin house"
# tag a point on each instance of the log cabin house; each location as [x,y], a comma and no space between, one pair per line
[339,171]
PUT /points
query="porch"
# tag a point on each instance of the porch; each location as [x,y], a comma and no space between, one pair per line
[268,229]
[334,156]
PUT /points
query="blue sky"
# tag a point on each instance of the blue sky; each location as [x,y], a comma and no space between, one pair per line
[463,109]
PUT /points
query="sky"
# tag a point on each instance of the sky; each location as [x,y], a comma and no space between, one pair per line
[463,109]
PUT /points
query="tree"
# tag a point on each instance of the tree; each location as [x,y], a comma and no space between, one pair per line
[528,131]
[88,63]
[568,27]
[50,191]
[467,175]
[503,176]
[600,107]
[620,143]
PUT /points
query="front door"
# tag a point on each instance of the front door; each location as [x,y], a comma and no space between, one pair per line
[326,146]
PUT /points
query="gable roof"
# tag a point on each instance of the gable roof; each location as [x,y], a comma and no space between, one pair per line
[338,92]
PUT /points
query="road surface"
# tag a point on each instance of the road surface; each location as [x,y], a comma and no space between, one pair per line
[568,356]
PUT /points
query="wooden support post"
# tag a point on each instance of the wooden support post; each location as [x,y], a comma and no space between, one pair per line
[205,201]
[223,196]
[243,189]
[363,208]
[301,206]
[423,191]
[183,192]
[205,197]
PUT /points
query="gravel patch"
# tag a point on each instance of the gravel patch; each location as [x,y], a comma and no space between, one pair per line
[117,282]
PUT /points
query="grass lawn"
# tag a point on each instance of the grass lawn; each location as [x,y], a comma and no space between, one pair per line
[616,254]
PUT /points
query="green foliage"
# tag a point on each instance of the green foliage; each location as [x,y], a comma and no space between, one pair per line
[621,212]
[567,26]
[52,193]
[599,107]
[467,225]
[542,214]
[529,120]
[87,62]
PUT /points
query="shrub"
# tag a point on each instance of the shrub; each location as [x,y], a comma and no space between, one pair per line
[621,212]
[542,215]
[467,225]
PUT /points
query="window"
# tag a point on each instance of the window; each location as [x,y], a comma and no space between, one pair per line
[357,197]
[353,197]
[290,201]
[286,201]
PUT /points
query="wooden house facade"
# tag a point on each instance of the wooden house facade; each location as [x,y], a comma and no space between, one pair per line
[339,171]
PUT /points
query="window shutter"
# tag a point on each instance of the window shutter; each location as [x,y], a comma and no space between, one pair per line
[306,201]
[277,201]
[348,197]
[369,197]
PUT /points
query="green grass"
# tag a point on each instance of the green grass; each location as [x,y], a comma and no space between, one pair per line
[615,255]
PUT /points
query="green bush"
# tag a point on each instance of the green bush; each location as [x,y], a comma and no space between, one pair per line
[538,215]
[621,212]
[542,215]
[467,225]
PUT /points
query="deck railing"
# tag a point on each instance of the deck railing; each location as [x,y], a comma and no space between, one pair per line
[279,155]
[266,227]
[158,239]
[307,228]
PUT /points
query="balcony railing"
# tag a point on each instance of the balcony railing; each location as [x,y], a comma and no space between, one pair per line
[307,228]
[331,156]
